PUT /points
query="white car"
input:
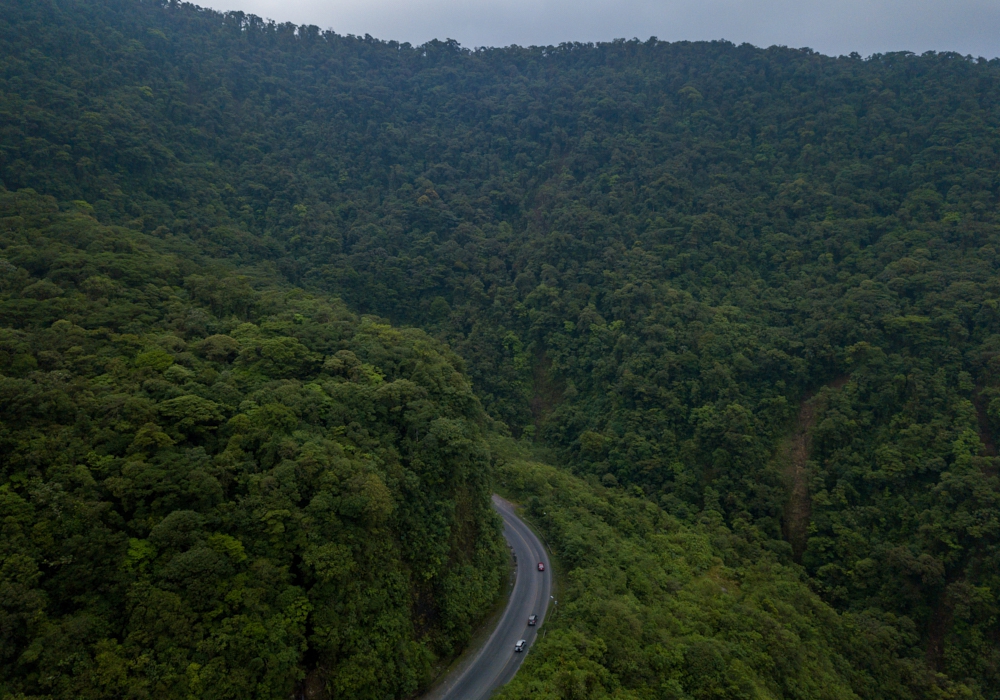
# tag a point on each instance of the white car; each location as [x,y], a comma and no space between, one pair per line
[521,643]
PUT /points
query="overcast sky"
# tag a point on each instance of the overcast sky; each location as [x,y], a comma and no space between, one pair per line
[829,26]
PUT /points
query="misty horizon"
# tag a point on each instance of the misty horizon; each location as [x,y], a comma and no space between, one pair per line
[966,27]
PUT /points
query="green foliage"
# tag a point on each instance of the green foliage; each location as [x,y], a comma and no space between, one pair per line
[646,255]
[651,607]
[196,505]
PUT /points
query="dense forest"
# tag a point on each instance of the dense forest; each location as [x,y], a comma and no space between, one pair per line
[656,608]
[745,302]
[214,484]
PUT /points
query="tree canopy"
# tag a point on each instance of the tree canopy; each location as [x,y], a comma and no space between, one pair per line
[215,486]
[754,283]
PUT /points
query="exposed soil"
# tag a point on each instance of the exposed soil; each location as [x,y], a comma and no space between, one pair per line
[314,687]
[985,435]
[937,629]
[547,392]
[793,456]
[798,509]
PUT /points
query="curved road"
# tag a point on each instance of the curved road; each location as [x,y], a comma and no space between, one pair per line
[496,662]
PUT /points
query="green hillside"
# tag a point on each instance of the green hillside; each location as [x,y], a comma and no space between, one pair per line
[756,290]
[214,485]
[651,607]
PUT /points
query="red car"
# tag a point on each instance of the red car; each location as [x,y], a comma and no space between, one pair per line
[541,566]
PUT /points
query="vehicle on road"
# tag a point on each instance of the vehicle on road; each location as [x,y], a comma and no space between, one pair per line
[541,566]
[495,663]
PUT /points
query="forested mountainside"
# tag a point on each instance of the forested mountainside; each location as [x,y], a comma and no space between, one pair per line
[656,608]
[760,283]
[213,485]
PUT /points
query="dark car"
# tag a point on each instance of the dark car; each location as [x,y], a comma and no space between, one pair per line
[541,566]
[521,643]
[533,620]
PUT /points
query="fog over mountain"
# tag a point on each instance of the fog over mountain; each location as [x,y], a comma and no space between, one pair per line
[865,26]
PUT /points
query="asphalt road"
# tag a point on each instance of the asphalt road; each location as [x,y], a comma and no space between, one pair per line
[496,662]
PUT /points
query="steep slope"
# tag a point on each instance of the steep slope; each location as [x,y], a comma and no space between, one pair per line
[654,607]
[215,487]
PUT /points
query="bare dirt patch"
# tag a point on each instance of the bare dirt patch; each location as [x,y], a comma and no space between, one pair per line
[793,458]
[985,434]
[547,392]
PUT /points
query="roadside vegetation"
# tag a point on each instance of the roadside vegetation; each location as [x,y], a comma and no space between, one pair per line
[217,487]
[653,607]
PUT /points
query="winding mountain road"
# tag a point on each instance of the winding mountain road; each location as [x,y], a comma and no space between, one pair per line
[496,662]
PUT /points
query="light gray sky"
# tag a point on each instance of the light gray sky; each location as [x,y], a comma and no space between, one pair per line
[829,26]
